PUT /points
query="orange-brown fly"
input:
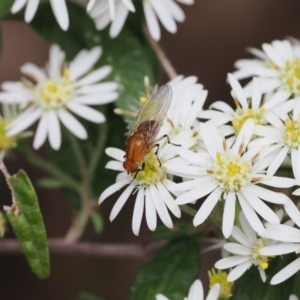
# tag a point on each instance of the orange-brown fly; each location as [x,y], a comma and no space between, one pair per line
[144,129]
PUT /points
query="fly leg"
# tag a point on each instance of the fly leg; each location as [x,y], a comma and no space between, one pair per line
[157,145]
[142,169]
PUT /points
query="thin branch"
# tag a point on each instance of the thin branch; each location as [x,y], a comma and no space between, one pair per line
[7,178]
[58,246]
[161,55]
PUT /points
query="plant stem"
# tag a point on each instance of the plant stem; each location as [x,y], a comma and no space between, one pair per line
[188,210]
[79,156]
[37,161]
[7,177]
[98,151]
[161,55]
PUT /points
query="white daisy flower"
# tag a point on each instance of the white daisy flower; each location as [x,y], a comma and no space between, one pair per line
[246,109]
[9,113]
[290,242]
[168,12]
[196,292]
[104,12]
[277,66]
[229,173]
[283,135]
[50,94]
[151,185]
[247,252]
[59,8]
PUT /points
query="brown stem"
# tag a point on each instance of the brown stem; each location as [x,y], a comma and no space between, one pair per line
[7,178]
[59,246]
[161,55]
[80,222]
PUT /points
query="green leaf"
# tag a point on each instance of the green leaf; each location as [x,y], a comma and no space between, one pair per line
[88,296]
[171,272]
[26,220]
[97,221]
[50,183]
[250,285]
[5,6]
[179,229]
[296,287]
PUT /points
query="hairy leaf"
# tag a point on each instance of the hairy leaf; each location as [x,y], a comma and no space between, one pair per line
[27,222]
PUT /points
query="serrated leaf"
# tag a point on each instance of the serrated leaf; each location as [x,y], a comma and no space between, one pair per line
[171,272]
[179,229]
[250,285]
[50,183]
[97,221]
[26,220]
[5,6]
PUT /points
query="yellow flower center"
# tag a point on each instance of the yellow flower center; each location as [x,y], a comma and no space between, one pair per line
[6,142]
[231,172]
[152,172]
[290,75]
[258,259]
[292,133]
[221,278]
[55,93]
[243,114]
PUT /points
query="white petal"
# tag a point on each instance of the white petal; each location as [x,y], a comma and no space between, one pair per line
[31,9]
[214,292]
[97,100]
[86,112]
[119,21]
[115,153]
[256,94]
[138,212]
[94,76]
[17,6]
[170,202]
[277,161]
[231,261]
[112,189]
[250,215]
[273,55]
[151,20]
[196,290]
[79,66]
[41,132]
[164,15]
[228,214]
[56,57]
[280,182]
[150,212]
[60,11]
[207,207]
[121,201]
[34,72]
[248,230]
[262,274]
[20,124]
[279,249]
[160,207]
[237,249]
[292,210]
[261,208]
[239,236]
[196,193]
[238,90]
[238,271]
[286,272]
[267,195]
[54,132]
[72,123]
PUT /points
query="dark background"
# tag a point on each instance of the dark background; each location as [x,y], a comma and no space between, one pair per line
[214,35]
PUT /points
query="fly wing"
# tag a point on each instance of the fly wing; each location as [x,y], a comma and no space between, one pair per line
[155,108]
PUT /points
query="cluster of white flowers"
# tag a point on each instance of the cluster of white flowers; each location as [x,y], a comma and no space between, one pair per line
[228,157]
[56,93]
[104,12]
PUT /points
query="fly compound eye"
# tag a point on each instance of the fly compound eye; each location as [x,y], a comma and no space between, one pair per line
[133,168]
